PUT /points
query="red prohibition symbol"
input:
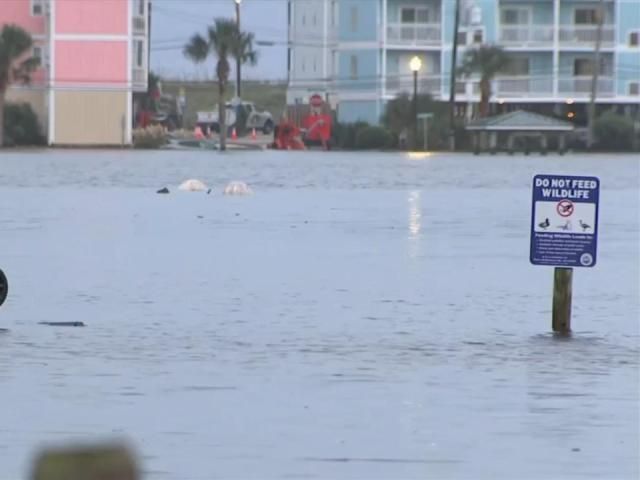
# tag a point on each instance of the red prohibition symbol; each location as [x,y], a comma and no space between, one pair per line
[565,208]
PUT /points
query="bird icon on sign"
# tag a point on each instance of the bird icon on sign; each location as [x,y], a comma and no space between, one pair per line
[565,208]
[544,225]
[584,226]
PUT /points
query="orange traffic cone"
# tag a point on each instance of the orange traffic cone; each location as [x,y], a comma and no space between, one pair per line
[234,134]
[253,134]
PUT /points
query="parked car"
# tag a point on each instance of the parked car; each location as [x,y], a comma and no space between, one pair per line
[263,121]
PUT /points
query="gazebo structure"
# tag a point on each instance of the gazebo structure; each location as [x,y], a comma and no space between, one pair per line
[503,130]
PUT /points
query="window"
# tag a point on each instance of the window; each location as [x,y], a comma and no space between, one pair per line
[354,18]
[315,20]
[303,66]
[353,73]
[37,53]
[139,53]
[517,67]
[462,38]
[304,19]
[37,8]
[478,36]
[585,16]
[315,64]
[414,15]
[634,39]
[583,67]
[289,59]
[139,9]
[634,89]
[514,16]
[289,12]
[334,13]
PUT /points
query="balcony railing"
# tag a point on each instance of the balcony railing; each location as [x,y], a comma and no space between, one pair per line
[414,33]
[581,86]
[526,35]
[585,35]
[519,86]
[404,83]
[139,25]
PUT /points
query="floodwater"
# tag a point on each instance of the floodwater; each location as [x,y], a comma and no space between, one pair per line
[361,316]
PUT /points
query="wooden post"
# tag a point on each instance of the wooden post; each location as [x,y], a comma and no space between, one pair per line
[562,281]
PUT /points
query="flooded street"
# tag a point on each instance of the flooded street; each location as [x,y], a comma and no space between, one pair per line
[361,316]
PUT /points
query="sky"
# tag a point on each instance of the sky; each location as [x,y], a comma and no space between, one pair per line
[175,21]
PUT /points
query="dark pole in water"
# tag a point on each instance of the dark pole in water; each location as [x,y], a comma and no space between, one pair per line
[4,287]
[562,292]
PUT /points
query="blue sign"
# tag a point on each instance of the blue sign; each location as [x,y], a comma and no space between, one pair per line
[564,221]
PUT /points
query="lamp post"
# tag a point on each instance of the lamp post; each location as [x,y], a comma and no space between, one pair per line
[238,62]
[415,65]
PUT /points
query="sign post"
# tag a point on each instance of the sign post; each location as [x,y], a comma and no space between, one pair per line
[564,234]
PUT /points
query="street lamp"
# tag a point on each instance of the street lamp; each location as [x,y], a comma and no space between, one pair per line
[238,63]
[415,65]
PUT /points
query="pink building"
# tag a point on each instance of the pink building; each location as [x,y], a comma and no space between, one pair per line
[94,55]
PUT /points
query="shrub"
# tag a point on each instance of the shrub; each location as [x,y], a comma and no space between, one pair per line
[345,134]
[614,131]
[399,117]
[373,138]
[148,138]
[21,126]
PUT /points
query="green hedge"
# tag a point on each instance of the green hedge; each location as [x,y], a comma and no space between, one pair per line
[373,138]
[21,126]
[614,132]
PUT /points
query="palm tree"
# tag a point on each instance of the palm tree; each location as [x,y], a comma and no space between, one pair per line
[487,61]
[15,66]
[223,40]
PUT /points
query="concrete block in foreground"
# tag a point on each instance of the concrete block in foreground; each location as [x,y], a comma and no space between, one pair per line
[94,462]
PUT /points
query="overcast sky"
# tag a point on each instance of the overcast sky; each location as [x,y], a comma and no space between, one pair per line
[174,21]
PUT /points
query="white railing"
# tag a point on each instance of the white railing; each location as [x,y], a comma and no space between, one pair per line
[519,86]
[139,25]
[138,76]
[581,86]
[397,84]
[526,35]
[586,35]
[414,33]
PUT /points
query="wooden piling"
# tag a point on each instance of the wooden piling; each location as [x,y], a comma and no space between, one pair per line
[562,292]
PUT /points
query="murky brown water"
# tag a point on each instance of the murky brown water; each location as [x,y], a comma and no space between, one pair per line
[361,316]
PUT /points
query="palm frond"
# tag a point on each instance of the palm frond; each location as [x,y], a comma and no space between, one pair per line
[197,49]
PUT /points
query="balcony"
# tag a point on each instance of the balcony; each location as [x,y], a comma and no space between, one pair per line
[523,86]
[414,34]
[585,35]
[580,86]
[526,35]
[139,25]
[404,83]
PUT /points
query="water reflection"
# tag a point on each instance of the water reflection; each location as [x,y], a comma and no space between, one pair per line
[415,222]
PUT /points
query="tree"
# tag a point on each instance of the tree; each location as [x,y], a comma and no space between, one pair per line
[223,40]
[487,61]
[15,65]
[398,118]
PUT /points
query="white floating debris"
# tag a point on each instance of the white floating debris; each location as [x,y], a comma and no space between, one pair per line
[237,188]
[192,185]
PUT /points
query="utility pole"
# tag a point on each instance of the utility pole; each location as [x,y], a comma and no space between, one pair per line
[595,66]
[452,87]
[238,61]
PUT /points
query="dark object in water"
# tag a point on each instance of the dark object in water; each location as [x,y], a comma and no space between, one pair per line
[4,330]
[163,190]
[209,192]
[63,324]
[4,287]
